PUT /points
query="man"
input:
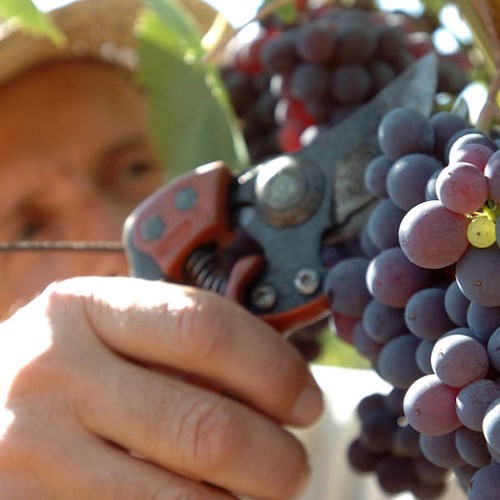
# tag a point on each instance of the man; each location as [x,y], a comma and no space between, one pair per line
[107,383]
[117,388]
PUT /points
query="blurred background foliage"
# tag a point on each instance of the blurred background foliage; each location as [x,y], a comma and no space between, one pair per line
[192,117]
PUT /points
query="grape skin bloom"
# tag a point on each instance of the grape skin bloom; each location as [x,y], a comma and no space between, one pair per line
[477,275]
[462,188]
[432,236]
[429,406]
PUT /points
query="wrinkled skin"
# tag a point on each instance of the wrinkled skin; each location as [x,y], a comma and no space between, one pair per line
[113,387]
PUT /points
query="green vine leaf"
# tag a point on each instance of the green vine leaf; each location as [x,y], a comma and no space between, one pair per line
[192,120]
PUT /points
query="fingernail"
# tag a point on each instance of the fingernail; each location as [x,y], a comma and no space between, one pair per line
[309,405]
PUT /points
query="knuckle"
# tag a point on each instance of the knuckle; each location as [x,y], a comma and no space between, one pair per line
[203,329]
[57,299]
[210,433]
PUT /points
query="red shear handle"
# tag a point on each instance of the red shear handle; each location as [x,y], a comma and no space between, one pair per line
[185,214]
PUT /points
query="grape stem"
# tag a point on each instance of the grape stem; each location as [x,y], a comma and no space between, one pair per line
[490,113]
[491,210]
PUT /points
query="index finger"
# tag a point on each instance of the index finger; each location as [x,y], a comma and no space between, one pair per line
[200,333]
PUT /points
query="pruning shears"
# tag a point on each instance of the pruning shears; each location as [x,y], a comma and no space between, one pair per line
[256,237]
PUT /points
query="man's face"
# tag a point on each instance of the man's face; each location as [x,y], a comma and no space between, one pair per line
[75,159]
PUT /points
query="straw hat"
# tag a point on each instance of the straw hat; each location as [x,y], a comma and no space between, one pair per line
[101,29]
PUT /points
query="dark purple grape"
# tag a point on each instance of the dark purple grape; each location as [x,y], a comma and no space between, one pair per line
[475,154]
[428,491]
[451,76]
[491,426]
[430,187]
[376,432]
[316,41]
[456,304]
[394,401]
[462,188]
[485,483]
[368,247]
[425,314]
[239,88]
[483,321]
[364,345]
[350,83]
[428,472]
[492,174]
[310,81]
[356,42]
[459,360]
[345,287]
[471,446]
[423,356]
[383,224]
[473,401]
[392,279]
[373,403]
[318,107]
[477,275]
[361,459]
[376,175]
[391,40]
[382,74]
[474,137]
[445,124]
[495,456]
[441,450]
[395,474]
[404,131]
[331,254]
[397,364]
[403,60]
[464,474]
[494,349]
[429,406]
[382,323]
[432,236]
[454,137]
[407,179]
[405,442]
[279,54]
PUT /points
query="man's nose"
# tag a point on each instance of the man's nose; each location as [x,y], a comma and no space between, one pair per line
[101,225]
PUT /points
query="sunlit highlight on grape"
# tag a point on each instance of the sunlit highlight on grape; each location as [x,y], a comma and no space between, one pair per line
[481,232]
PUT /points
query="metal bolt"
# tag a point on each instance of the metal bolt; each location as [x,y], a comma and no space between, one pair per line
[264,297]
[306,281]
[152,228]
[185,199]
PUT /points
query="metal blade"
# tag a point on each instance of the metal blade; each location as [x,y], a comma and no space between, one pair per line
[344,151]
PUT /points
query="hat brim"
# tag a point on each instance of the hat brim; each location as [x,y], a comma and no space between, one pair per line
[97,29]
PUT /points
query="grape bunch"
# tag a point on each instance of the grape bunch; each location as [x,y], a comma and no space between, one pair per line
[291,81]
[422,304]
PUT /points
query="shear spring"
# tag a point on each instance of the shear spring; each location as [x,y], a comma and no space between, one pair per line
[205,268]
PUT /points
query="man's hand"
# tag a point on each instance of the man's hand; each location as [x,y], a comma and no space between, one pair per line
[118,388]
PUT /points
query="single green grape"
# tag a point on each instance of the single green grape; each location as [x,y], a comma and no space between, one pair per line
[481,232]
